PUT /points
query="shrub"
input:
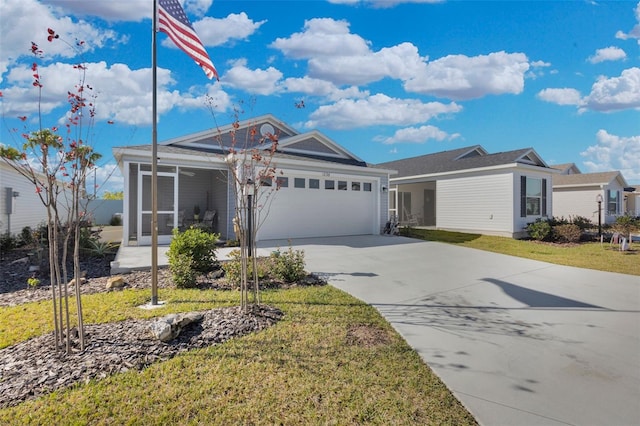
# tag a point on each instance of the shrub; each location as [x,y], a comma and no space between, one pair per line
[190,253]
[233,268]
[582,222]
[539,230]
[26,236]
[116,220]
[626,224]
[7,242]
[567,233]
[288,266]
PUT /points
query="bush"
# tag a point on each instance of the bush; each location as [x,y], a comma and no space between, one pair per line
[190,253]
[582,222]
[281,266]
[288,266]
[539,230]
[116,220]
[233,268]
[626,224]
[7,242]
[26,236]
[567,233]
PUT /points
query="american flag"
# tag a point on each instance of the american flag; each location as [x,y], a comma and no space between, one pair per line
[174,22]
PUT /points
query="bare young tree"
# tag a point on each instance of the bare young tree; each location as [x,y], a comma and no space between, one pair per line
[57,166]
[252,172]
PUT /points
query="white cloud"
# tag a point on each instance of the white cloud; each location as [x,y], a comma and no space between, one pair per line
[398,62]
[613,152]
[610,53]
[322,88]
[121,94]
[215,32]
[375,110]
[419,135]
[107,10]
[197,7]
[635,31]
[33,18]
[615,93]
[564,96]
[257,81]
[608,94]
[322,37]
[461,77]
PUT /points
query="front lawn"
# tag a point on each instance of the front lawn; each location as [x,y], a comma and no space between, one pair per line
[331,360]
[592,255]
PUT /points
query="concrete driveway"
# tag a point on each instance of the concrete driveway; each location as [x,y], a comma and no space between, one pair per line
[519,342]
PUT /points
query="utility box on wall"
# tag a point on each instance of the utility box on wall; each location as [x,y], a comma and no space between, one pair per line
[9,200]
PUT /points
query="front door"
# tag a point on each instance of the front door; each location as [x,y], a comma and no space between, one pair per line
[167,207]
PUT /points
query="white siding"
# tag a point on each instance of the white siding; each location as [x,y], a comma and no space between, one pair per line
[305,212]
[27,209]
[481,204]
[570,202]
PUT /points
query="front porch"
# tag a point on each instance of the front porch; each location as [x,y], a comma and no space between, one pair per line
[185,195]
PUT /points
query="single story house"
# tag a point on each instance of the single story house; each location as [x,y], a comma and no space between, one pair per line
[322,188]
[471,190]
[577,194]
[20,205]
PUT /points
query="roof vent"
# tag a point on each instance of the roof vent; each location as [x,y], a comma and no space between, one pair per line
[267,129]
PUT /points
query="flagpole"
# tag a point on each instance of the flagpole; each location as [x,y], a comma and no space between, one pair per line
[154,164]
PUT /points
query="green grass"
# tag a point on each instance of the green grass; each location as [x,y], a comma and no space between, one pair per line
[303,370]
[602,257]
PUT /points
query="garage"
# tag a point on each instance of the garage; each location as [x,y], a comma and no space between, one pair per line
[308,205]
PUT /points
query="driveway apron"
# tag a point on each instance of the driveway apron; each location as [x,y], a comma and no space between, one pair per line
[519,342]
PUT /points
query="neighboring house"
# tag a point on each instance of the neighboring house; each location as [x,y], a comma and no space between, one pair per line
[577,194]
[324,189]
[470,190]
[20,205]
[632,200]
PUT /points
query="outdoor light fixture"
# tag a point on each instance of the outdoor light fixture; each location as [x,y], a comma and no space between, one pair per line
[384,189]
[599,201]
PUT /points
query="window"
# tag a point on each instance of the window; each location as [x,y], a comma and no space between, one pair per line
[355,186]
[298,183]
[342,185]
[314,183]
[329,184]
[282,181]
[613,198]
[367,186]
[533,196]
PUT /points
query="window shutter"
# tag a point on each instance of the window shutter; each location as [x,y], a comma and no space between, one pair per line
[544,198]
[606,200]
[523,196]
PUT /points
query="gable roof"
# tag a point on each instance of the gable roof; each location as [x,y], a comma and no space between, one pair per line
[589,179]
[566,168]
[257,133]
[472,157]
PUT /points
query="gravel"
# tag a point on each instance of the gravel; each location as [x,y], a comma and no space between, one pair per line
[33,368]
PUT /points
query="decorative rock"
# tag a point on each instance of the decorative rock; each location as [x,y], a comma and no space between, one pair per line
[115,282]
[168,328]
[83,280]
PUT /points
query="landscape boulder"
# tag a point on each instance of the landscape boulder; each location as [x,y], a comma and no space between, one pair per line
[115,282]
[169,327]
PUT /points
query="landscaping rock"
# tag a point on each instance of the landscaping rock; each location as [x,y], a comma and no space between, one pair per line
[115,282]
[168,328]
[33,368]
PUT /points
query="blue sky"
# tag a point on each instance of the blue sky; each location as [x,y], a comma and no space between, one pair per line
[386,79]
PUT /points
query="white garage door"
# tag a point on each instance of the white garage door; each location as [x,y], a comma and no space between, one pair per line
[321,207]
